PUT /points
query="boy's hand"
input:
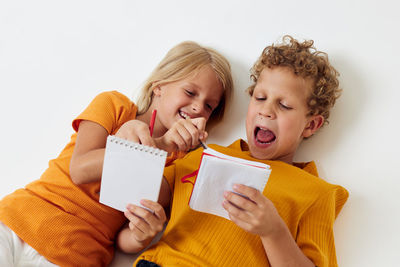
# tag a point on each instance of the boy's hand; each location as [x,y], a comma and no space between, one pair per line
[183,135]
[144,224]
[255,214]
[136,131]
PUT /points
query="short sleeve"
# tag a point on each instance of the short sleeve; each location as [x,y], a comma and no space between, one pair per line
[315,233]
[109,109]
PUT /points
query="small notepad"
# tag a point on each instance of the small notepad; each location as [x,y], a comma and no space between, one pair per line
[218,173]
[131,172]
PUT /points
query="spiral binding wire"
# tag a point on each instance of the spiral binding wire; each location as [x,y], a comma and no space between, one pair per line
[136,146]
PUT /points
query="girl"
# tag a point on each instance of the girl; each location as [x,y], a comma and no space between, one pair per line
[58,219]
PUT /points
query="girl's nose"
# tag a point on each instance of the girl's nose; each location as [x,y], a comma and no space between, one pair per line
[196,107]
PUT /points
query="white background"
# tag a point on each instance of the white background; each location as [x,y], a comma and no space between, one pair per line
[55,56]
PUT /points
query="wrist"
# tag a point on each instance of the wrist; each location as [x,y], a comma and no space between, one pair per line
[162,144]
[280,230]
[134,245]
[140,243]
[281,248]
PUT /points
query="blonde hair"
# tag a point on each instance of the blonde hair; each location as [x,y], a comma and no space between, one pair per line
[181,61]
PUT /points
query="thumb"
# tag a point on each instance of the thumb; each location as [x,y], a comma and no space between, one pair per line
[200,123]
[203,136]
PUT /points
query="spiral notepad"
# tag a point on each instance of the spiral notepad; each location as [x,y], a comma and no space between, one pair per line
[131,172]
[218,173]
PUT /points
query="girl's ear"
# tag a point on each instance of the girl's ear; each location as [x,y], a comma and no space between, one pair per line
[314,123]
[157,90]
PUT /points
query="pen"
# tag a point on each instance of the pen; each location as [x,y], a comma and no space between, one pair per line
[152,121]
[201,142]
[203,145]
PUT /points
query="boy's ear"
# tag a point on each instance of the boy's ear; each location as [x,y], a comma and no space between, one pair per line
[314,123]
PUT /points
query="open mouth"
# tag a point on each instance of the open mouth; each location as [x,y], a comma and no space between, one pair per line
[264,136]
[183,114]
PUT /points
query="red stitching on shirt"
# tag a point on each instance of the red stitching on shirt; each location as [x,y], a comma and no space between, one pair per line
[185,179]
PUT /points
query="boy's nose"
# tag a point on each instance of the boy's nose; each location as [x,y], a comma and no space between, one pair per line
[268,111]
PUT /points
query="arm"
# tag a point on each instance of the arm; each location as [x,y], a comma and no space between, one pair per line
[87,159]
[258,215]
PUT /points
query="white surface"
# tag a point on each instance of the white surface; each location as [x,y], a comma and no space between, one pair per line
[55,56]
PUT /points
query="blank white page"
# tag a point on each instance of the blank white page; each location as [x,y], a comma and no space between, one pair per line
[131,172]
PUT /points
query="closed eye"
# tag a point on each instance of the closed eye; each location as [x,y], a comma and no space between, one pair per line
[260,98]
[209,107]
[285,106]
[190,93]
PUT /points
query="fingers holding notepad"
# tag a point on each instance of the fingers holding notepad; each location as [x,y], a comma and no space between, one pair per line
[146,221]
[136,131]
[251,210]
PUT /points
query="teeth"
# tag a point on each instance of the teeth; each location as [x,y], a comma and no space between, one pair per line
[183,114]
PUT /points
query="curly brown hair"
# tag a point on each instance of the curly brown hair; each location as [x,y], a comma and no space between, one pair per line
[307,62]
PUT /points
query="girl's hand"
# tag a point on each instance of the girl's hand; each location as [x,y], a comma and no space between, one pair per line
[183,135]
[136,131]
[144,225]
[252,212]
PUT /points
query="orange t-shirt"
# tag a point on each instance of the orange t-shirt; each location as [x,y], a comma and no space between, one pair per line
[63,221]
[307,204]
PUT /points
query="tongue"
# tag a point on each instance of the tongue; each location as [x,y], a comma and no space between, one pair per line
[265,136]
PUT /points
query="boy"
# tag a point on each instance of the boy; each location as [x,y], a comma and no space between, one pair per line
[291,222]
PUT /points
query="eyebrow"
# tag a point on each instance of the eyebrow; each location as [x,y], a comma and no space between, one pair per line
[212,101]
[193,85]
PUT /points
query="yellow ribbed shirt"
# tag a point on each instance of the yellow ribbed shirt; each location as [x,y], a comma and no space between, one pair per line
[306,203]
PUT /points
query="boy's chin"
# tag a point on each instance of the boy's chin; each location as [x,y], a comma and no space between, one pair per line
[259,155]
[259,152]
